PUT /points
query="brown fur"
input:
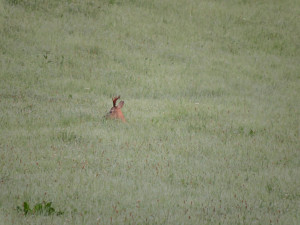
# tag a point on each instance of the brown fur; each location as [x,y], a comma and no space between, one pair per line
[116,112]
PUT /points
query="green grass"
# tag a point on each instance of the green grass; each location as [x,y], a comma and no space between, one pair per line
[211,91]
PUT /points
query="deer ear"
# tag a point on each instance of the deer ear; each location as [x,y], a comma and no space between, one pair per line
[120,105]
[115,99]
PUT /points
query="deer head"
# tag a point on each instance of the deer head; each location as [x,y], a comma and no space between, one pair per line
[115,112]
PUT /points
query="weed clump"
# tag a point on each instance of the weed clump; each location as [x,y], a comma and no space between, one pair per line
[43,208]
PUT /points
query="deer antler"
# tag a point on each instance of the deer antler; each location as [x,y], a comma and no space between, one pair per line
[115,100]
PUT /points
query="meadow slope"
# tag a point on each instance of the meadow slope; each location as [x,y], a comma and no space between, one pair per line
[211,91]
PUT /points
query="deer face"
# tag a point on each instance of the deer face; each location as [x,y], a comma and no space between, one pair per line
[115,112]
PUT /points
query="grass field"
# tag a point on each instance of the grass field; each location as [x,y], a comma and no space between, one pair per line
[211,91]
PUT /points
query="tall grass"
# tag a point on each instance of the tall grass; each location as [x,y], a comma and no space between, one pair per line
[211,91]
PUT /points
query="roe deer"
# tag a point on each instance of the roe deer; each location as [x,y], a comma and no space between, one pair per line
[115,112]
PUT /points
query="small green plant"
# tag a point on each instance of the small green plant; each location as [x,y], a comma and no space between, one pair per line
[44,208]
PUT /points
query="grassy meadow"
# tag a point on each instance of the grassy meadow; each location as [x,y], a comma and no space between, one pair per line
[211,91]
